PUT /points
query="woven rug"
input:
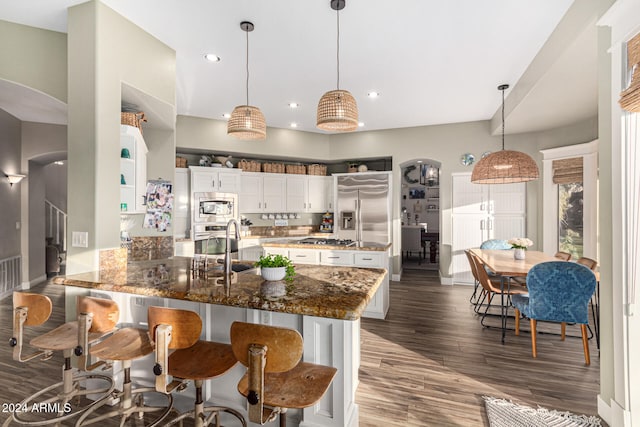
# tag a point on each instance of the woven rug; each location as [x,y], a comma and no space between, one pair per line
[503,413]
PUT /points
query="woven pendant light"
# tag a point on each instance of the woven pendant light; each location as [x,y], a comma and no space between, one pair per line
[505,166]
[337,109]
[246,121]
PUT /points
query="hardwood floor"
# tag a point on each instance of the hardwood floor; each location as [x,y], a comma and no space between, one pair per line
[428,364]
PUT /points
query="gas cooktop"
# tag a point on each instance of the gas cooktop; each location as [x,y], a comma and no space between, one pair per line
[331,242]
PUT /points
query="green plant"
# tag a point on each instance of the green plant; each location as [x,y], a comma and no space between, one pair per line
[274,261]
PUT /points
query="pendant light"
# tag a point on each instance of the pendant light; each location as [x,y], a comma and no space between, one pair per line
[246,121]
[505,166]
[337,109]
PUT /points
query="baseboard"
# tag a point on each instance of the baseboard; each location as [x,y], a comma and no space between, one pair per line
[604,410]
[396,277]
[446,280]
[36,281]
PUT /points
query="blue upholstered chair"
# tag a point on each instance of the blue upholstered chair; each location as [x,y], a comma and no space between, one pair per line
[495,244]
[559,291]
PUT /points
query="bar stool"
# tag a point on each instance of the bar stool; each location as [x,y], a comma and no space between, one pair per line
[125,346]
[97,317]
[276,379]
[193,359]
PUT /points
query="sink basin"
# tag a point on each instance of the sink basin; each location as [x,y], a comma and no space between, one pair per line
[244,268]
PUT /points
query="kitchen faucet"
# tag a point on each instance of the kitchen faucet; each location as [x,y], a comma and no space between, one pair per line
[227,251]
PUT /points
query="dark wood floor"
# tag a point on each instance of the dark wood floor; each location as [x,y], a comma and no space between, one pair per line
[428,364]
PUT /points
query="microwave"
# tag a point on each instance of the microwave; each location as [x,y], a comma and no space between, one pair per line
[215,207]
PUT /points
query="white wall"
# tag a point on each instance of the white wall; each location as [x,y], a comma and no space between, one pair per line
[10,196]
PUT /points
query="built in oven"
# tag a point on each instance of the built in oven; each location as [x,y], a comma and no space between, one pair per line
[216,208]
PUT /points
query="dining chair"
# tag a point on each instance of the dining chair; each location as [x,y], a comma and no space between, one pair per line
[559,291]
[491,286]
[564,256]
[591,264]
[499,244]
[412,241]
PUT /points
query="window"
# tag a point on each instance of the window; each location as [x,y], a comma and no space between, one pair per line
[570,200]
[571,219]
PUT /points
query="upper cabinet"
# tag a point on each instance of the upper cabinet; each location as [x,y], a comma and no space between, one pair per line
[208,180]
[262,192]
[133,170]
[309,193]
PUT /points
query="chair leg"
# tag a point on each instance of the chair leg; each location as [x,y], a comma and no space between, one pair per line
[585,345]
[534,348]
[517,321]
[563,330]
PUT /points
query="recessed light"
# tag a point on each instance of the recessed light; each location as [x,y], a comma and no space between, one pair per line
[373,94]
[211,57]
[226,115]
[293,105]
[294,125]
[360,124]
[58,163]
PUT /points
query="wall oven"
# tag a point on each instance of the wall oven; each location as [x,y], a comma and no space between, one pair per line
[216,208]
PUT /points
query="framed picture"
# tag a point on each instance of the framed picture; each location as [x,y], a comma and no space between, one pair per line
[416,193]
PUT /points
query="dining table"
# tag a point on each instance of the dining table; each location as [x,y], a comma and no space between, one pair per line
[504,265]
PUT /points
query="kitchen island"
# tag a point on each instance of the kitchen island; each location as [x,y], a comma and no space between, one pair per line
[323,303]
[336,252]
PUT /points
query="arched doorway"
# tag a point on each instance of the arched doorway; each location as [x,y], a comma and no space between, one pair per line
[420,213]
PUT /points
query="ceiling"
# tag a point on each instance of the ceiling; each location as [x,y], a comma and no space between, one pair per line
[432,61]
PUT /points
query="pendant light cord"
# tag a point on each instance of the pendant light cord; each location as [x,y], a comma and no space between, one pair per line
[503,119]
[338,49]
[247,67]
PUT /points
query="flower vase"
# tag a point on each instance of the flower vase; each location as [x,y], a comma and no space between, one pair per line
[518,253]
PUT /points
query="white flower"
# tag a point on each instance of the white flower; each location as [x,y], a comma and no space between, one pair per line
[520,242]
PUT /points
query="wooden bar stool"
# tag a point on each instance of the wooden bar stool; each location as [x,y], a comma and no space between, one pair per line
[276,379]
[193,359]
[97,317]
[125,346]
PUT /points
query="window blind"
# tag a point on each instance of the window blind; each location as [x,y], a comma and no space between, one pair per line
[567,171]
[630,97]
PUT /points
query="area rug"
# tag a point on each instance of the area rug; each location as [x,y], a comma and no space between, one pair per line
[503,413]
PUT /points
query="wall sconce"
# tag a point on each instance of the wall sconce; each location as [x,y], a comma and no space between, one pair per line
[14,178]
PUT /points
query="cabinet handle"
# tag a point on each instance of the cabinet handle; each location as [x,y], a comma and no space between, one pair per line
[490,223]
[333,257]
[367,259]
[265,205]
[301,256]
[259,205]
[309,205]
[213,183]
[482,224]
[482,206]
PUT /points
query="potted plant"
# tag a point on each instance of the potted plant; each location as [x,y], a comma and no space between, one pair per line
[275,267]
[520,244]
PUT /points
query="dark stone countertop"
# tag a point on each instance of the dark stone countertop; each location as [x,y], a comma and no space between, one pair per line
[322,291]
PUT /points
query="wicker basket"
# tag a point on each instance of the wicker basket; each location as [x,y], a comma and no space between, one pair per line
[273,167]
[181,162]
[249,165]
[133,119]
[316,169]
[296,169]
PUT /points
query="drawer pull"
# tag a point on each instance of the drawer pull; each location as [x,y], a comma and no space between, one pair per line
[367,259]
[333,257]
[301,256]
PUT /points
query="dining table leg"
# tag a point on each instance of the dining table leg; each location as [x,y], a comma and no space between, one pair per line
[503,308]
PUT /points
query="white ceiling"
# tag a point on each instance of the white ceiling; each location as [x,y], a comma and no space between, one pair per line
[432,61]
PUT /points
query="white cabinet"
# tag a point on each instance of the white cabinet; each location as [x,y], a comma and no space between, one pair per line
[261,192]
[208,179]
[133,170]
[308,193]
[181,193]
[329,257]
[304,256]
[482,212]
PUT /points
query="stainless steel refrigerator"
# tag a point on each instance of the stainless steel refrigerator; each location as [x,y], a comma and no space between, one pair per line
[364,207]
